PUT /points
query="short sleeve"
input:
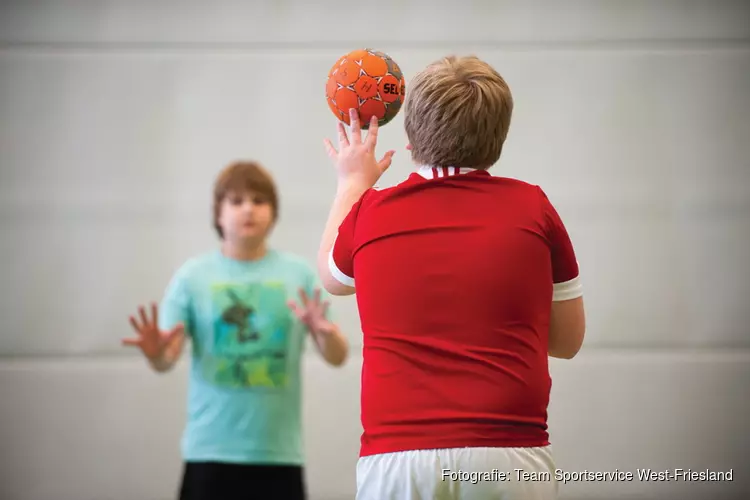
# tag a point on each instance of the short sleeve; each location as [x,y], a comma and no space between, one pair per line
[312,283]
[176,304]
[341,258]
[565,270]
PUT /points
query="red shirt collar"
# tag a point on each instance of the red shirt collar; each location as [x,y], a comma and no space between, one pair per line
[429,172]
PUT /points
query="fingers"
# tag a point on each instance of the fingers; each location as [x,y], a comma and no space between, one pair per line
[304,298]
[131,342]
[355,126]
[146,323]
[295,308]
[372,133]
[343,139]
[155,314]
[134,324]
[324,308]
[144,317]
[178,330]
[332,153]
[386,161]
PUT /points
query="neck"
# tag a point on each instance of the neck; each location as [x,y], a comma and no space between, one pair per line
[244,251]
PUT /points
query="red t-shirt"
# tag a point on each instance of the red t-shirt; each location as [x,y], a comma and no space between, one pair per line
[454,275]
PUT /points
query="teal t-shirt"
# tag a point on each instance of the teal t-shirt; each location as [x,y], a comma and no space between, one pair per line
[244,396]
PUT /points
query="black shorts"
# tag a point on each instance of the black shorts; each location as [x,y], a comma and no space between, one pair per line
[224,481]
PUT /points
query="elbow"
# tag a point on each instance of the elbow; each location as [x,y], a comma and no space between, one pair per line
[563,353]
[569,348]
[334,287]
[337,350]
[567,329]
[328,281]
[340,291]
[338,361]
[329,286]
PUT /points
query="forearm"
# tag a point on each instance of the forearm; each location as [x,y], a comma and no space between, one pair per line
[332,345]
[347,195]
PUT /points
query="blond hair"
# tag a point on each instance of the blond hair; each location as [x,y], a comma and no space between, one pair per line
[243,177]
[457,113]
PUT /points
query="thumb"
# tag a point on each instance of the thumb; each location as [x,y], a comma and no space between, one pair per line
[175,332]
[292,305]
[386,161]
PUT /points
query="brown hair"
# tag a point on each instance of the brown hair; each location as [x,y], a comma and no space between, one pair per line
[457,114]
[243,176]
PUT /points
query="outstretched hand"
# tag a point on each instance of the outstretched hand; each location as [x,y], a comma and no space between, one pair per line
[311,312]
[355,159]
[150,340]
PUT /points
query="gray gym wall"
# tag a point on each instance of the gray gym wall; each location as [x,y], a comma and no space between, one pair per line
[115,117]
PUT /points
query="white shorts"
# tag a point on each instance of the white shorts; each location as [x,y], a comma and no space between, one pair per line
[458,474]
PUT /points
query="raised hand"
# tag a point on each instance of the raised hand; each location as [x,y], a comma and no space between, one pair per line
[311,312]
[150,340]
[355,159]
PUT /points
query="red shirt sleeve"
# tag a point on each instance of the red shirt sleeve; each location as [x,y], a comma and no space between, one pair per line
[565,271]
[341,258]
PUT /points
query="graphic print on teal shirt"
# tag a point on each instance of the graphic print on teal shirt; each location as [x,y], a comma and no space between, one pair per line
[250,341]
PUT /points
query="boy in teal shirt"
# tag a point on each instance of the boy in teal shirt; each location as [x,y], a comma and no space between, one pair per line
[246,309]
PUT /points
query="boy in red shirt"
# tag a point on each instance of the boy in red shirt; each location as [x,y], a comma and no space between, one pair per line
[466,282]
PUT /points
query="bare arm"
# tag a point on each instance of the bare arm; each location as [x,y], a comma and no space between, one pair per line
[332,345]
[326,335]
[346,195]
[567,317]
[567,328]
[358,171]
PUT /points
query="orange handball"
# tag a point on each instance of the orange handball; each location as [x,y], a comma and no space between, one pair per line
[369,81]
